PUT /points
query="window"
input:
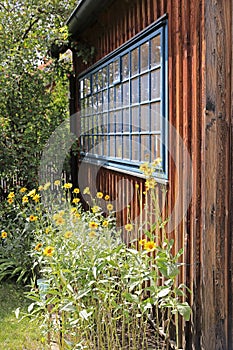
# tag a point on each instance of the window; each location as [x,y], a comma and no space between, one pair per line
[124,103]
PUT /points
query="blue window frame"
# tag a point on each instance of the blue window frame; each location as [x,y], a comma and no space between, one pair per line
[124,103]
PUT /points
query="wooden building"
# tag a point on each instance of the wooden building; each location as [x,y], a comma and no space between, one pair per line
[159,84]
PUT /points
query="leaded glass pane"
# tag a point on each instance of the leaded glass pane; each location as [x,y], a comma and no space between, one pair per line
[119,146]
[134,62]
[155,116]
[144,57]
[155,51]
[125,66]
[145,92]
[135,119]
[145,118]
[155,84]
[135,147]
[125,87]
[145,148]
[135,90]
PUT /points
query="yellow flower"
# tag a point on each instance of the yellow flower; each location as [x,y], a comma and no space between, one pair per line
[25,199]
[4,235]
[36,198]
[105,223]
[68,234]
[57,182]
[93,225]
[73,210]
[22,190]
[107,197]
[68,185]
[60,220]
[92,234]
[47,230]
[99,195]
[32,193]
[128,227]
[33,218]
[157,162]
[11,195]
[40,188]
[38,246]
[10,200]
[48,251]
[110,207]
[76,200]
[151,183]
[142,242]
[76,190]
[77,215]
[47,185]
[150,246]
[86,190]
[55,216]
[144,167]
[95,209]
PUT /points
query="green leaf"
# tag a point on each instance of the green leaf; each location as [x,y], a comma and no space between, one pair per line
[184,310]
[163,292]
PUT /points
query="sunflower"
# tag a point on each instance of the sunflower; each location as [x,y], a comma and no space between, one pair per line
[33,218]
[99,195]
[73,210]
[10,200]
[144,167]
[68,185]
[150,246]
[60,220]
[4,235]
[105,223]
[11,195]
[23,189]
[93,225]
[68,234]
[36,198]
[92,234]
[32,193]
[157,162]
[76,190]
[142,242]
[95,209]
[25,199]
[86,190]
[110,207]
[128,227]
[48,251]
[107,197]
[76,200]
[38,246]
[151,183]
[46,186]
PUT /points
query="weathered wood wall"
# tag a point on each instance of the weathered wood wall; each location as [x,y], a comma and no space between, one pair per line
[200,109]
[216,242]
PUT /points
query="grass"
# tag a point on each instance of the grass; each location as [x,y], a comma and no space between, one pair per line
[15,334]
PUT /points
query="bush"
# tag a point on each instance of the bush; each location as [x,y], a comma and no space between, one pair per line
[98,292]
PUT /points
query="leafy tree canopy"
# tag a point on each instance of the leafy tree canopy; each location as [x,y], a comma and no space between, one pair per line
[33,99]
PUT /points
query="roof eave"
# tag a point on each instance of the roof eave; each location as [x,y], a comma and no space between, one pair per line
[84,15]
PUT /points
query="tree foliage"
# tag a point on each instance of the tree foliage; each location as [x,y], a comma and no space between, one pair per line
[34,88]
